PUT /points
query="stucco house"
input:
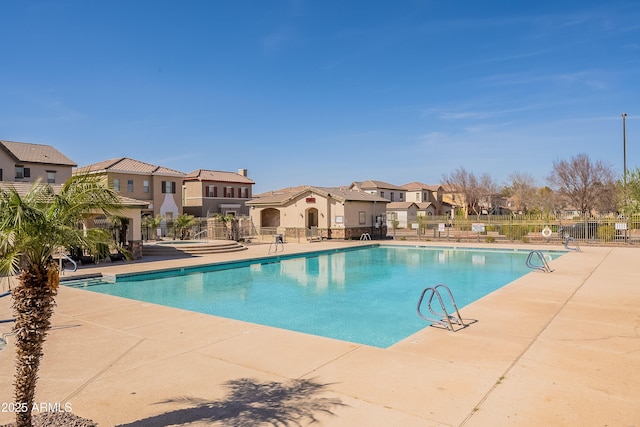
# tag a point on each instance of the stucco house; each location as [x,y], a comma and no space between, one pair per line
[26,162]
[404,213]
[430,198]
[336,212]
[391,192]
[210,192]
[157,186]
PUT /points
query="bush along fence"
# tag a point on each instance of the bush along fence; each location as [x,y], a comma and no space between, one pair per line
[605,230]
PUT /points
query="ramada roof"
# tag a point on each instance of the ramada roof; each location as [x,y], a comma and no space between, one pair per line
[341,194]
[35,153]
[127,165]
[23,188]
[217,176]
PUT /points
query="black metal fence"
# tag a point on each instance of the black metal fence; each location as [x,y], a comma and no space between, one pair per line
[485,228]
[490,228]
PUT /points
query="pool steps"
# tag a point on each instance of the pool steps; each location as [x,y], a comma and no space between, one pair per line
[195,249]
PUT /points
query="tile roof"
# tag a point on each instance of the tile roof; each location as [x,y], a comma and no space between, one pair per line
[218,176]
[372,184]
[127,165]
[418,186]
[424,205]
[35,153]
[339,193]
[23,188]
[401,205]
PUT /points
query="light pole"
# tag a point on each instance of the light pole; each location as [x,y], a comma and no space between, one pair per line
[624,152]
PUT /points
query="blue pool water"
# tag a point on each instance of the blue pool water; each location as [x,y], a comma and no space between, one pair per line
[366,296]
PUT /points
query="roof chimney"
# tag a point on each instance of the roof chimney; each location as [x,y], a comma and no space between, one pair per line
[242,172]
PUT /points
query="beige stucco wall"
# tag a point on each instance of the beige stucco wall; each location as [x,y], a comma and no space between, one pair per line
[193,193]
[331,213]
[196,197]
[37,170]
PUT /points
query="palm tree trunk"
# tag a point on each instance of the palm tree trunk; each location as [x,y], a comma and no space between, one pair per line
[33,304]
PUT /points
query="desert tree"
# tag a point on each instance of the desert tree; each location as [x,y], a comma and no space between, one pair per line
[474,193]
[522,190]
[588,185]
[33,228]
[630,195]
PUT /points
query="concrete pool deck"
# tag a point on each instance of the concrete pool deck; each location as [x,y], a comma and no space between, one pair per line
[559,349]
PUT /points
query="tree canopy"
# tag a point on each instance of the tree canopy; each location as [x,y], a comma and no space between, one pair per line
[586,184]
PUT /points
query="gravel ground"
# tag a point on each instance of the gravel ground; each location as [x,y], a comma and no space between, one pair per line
[58,419]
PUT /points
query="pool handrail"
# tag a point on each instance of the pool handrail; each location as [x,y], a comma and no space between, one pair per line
[544,267]
[68,258]
[444,315]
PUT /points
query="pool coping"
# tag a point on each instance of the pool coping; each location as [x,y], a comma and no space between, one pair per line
[558,348]
[135,277]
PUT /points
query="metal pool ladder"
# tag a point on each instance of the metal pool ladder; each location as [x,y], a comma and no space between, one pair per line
[544,267]
[278,241]
[443,318]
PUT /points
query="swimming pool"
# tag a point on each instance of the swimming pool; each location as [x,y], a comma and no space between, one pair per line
[365,295]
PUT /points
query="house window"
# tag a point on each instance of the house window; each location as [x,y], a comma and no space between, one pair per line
[382,194]
[228,191]
[392,196]
[145,186]
[401,197]
[1,175]
[116,184]
[211,191]
[362,217]
[51,177]
[168,187]
[22,172]
[130,186]
[244,192]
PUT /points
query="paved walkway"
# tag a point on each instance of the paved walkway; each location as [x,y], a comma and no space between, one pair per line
[558,349]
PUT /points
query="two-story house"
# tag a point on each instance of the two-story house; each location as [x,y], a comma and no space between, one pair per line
[158,186]
[25,162]
[208,192]
[391,192]
[429,198]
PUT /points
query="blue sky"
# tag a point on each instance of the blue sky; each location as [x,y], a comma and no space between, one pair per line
[325,92]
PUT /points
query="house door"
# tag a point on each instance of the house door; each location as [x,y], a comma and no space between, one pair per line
[312,218]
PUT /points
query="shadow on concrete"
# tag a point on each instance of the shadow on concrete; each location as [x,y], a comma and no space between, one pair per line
[251,403]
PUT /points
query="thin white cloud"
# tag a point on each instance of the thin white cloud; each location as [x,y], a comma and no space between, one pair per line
[277,40]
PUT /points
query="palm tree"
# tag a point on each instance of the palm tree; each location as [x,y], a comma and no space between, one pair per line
[184,223]
[33,227]
[152,223]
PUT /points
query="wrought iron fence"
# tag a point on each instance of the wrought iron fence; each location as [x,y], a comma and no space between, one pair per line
[624,230]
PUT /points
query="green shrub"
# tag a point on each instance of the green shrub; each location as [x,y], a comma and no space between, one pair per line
[606,233]
[489,239]
[515,231]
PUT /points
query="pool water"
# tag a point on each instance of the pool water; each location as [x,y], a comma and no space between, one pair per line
[366,296]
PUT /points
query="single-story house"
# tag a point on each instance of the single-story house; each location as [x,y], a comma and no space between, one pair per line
[334,212]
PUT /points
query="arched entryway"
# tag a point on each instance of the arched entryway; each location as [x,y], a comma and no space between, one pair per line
[311,217]
[270,217]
